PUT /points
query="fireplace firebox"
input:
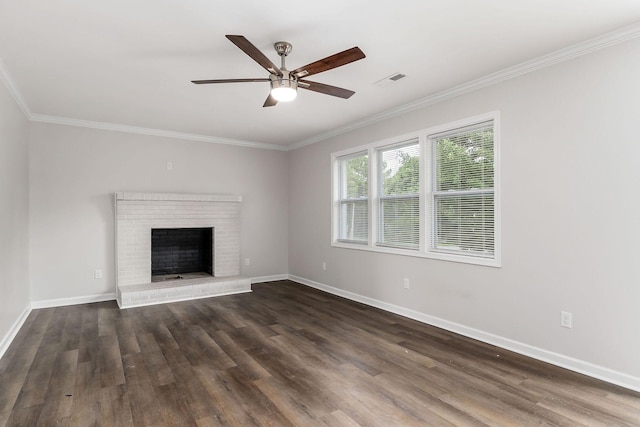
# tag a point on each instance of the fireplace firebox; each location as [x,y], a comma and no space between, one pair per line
[176,252]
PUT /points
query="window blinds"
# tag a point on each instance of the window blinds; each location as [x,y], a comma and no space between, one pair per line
[399,201]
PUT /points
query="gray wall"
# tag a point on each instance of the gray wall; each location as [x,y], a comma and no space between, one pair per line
[74,173]
[14,215]
[570,217]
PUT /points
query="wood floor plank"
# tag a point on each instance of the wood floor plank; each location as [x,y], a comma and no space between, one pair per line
[258,409]
[60,390]
[15,365]
[110,361]
[283,355]
[27,416]
[368,405]
[107,318]
[115,406]
[85,409]
[287,401]
[208,349]
[241,358]
[229,409]
[140,391]
[423,404]
[339,418]
[34,390]
[159,371]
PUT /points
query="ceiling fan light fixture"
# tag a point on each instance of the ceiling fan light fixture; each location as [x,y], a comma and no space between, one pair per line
[284,90]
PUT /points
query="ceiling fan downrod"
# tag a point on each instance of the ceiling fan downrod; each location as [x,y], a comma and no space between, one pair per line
[283,49]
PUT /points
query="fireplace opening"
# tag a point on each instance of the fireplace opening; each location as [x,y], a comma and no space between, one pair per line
[181,253]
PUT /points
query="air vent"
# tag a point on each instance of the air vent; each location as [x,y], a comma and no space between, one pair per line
[390,79]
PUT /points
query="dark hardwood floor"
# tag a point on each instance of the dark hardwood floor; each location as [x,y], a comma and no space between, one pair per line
[283,355]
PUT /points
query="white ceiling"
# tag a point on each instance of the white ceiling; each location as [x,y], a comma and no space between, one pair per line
[130,62]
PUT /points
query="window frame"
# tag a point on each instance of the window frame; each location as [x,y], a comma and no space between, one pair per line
[436,195]
[426,205]
[379,240]
[339,191]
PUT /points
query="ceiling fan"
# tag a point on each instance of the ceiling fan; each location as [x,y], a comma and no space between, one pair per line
[285,83]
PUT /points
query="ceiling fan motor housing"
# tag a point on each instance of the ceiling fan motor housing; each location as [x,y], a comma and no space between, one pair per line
[284,88]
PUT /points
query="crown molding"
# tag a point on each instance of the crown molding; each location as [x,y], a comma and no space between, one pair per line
[601,42]
[152,132]
[6,78]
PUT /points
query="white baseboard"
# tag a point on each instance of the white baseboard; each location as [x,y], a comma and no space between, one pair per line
[60,302]
[269,278]
[576,365]
[13,331]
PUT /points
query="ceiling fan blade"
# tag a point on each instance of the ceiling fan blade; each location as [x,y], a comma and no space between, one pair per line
[333,61]
[204,82]
[248,48]
[270,101]
[326,89]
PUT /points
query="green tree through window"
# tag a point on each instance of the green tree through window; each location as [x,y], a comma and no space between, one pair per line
[399,212]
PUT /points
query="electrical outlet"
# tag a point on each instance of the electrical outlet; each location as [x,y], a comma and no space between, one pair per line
[169,166]
[324,266]
[566,319]
[97,274]
[406,283]
[247,261]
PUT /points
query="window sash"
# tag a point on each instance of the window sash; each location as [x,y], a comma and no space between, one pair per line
[399,221]
[464,223]
[353,202]
[354,221]
[399,195]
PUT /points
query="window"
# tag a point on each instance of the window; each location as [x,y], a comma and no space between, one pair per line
[354,202]
[463,191]
[399,196]
[433,194]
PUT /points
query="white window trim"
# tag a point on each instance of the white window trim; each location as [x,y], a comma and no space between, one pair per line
[340,190]
[425,186]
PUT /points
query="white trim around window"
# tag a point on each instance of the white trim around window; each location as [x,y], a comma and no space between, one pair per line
[416,203]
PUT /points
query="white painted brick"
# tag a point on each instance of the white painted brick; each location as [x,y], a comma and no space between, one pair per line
[138,213]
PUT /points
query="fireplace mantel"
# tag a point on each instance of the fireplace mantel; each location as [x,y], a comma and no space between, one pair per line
[186,197]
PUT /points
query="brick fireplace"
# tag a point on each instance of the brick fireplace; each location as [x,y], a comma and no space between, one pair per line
[138,214]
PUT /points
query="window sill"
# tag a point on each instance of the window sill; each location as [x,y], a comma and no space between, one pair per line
[487,262]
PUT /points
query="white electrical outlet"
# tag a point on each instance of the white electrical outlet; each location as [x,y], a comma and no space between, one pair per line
[566,319]
[247,261]
[169,166]
[324,266]
[406,283]
[97,274]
